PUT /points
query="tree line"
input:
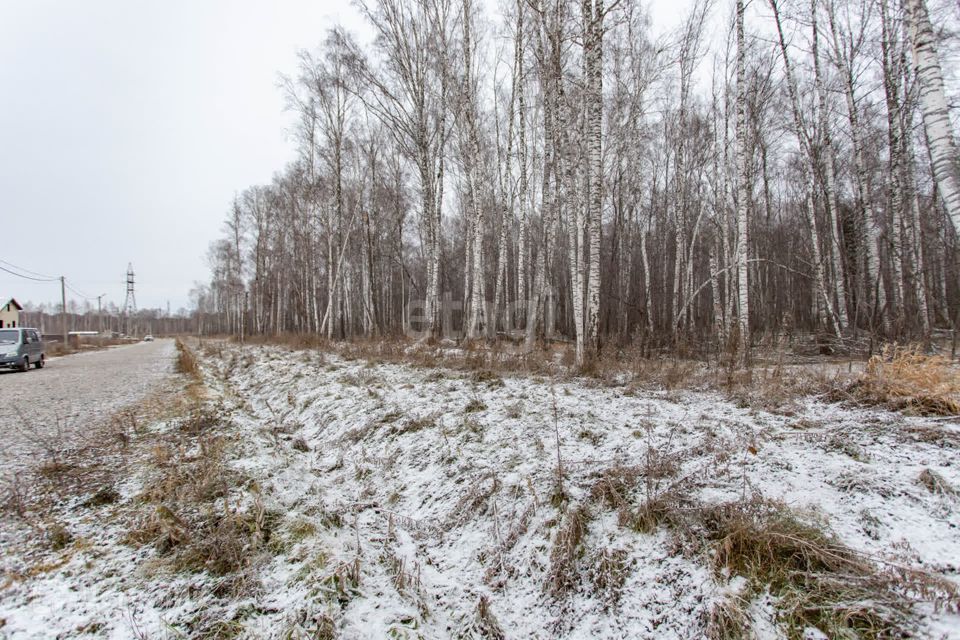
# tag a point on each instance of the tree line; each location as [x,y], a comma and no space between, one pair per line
[50,318]
[556,170]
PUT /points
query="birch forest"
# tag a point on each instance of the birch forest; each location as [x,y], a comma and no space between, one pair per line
[552,170]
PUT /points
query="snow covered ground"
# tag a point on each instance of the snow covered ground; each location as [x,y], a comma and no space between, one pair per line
[409,502]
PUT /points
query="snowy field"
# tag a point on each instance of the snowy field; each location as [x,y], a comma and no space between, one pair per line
[382,500]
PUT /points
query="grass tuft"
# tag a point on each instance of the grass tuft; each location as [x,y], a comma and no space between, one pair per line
[937,484]
[817,581]
[564,575]
[727,619]
[187,362]
[58,536]
[906,379]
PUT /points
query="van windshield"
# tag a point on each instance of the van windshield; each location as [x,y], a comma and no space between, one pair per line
[9,336]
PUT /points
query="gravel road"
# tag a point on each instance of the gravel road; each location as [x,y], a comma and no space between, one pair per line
[78,392]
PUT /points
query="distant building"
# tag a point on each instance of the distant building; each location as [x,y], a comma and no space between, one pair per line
[10,313]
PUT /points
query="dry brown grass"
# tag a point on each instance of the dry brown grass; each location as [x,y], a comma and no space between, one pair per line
[906,379]
[487,625]
[200,477]
[633,366]
[487,359]
[608,572]
[615,485]
[937,484]
[14,495]
[291,340]
[57,349]
[817,581]
[727,619]
[194,518]
[225,543]
[564,574]
[93,343]
[187,362]
[202,419]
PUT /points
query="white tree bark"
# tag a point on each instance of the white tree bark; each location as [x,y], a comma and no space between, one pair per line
[826,161]
[743,293]
[594,115]
[933,104]
[864,190]
[808,172]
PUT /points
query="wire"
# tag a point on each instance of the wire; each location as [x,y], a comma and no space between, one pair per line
[20,275]
[32,273]
[82,295]
[39,277]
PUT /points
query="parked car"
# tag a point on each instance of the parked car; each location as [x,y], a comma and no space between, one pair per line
[21,347]
[148,338]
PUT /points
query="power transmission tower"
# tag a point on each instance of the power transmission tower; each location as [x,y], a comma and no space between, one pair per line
[130,305]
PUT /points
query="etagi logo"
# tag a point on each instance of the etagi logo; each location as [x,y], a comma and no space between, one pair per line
[452,321]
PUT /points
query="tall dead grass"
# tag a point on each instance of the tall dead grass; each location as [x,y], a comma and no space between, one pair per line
[906,379]
[817,581]
[187,362]
[634,366]
[567,549]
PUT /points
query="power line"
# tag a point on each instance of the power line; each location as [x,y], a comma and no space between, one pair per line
[20,275]
[82,295]
[39,277]
[32,273]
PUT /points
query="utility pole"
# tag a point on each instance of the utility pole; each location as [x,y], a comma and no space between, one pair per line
[100,313]
[63,310]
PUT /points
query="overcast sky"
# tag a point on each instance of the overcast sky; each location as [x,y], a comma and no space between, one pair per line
[127,127]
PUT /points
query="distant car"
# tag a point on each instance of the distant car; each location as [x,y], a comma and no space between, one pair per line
[21,347]
[148,338]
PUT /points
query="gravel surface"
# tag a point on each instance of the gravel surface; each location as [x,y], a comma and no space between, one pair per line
[72,394]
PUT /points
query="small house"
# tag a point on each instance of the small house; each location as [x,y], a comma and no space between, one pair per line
[9,313]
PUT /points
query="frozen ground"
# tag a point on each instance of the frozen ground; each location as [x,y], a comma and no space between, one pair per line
[421,503]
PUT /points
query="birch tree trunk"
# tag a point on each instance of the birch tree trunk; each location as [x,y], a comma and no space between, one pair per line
[864,190]
[522,237]
[913,204]
[743,295]
[891,86]
[507,194]
[933,104]
[550,71]
[594,27]
[806,148]
[826,161]
[473,159]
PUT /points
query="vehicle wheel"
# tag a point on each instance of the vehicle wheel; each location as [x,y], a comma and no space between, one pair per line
[25,365]
[42,361]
